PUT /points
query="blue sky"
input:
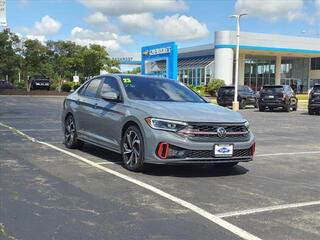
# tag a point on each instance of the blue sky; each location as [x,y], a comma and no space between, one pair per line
[126,25]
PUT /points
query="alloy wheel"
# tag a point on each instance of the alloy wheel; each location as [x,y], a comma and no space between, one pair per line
[131,148]
[69,131]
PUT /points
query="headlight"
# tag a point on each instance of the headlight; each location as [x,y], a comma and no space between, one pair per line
[167,125]
[247,124]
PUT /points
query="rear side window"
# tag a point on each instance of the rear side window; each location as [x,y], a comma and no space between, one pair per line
[91,90]
[226,91]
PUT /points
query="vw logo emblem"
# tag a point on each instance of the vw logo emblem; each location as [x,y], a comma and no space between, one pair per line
[222,133]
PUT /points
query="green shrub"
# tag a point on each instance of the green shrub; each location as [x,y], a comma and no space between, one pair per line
[20,85]
[66,87]
[214,85]
[201,90]
[76,86]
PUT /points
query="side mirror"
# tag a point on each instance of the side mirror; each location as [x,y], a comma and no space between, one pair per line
[110,96]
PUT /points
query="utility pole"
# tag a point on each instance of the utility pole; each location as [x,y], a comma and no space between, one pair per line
[235,103]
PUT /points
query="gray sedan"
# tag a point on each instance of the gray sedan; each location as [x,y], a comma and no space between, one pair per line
[154,120]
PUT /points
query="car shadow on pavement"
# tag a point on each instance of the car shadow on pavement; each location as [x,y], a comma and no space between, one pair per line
[193,171]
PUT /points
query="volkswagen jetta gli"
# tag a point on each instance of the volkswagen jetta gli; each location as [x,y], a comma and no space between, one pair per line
[154,120]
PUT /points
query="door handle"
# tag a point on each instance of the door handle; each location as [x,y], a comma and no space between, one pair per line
[78,102]
[95,105]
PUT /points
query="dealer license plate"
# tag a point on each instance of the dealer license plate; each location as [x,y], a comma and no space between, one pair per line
[223,150]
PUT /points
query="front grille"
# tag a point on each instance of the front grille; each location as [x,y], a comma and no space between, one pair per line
[209,132]
[198,154]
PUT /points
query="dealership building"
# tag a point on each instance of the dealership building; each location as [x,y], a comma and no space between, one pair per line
[264,59]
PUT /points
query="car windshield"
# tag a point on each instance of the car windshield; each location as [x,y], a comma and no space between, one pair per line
[158,89]
[272,89]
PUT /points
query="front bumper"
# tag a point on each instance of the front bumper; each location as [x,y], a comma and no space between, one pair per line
[201,152]
[314,106]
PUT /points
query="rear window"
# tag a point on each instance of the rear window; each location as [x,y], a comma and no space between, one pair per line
[272,89]
[226,91]
[316,88]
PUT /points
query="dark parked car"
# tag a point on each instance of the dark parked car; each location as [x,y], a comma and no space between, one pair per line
[40,82]
[154,120]
[277,96]
[246,96]
[314,100]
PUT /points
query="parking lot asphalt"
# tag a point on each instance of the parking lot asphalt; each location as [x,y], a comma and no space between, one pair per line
[47,193]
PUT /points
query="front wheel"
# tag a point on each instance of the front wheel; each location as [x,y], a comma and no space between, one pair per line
[243,104]
[70,134]
[132,148]
[286,108]
[261,109]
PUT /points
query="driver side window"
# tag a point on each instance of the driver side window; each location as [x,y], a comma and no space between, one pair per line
[110,84]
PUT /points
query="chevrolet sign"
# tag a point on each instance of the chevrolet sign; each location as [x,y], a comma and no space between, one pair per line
[157,51]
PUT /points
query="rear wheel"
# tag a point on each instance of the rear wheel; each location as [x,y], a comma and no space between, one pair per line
[132,148]
[70,134]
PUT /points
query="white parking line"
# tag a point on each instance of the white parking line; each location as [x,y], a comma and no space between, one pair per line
[267,209]
[222,223]
[285,154]
[106,162]
[36,130]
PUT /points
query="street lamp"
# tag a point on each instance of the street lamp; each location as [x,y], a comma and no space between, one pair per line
[235,103]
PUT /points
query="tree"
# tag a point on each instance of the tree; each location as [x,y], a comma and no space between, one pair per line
[35,60]
[66,58]
[214,85]
[135,71]
[9,55]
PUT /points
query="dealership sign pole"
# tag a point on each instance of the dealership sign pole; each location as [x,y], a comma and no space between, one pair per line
[3,17]
[235,104]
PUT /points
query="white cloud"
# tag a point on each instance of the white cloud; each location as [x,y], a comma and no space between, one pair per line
[40,38]
[46,26]
[111,41]
[180,28]
[134,23]
[97,18]
[120,7]
[175,27]
[271,9]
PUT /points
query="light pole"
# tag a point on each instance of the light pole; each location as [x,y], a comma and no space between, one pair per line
[235,103]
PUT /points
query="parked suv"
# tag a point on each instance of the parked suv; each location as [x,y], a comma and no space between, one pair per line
[156,120]
[246,96]
[275,96]
[40,82]
[314,100]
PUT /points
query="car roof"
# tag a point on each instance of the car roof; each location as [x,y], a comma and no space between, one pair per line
[274,86]
[121,75]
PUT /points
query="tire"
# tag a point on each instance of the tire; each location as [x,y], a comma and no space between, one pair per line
[242,104]
[271,108]
[70,134]
[256,105]
[261,109]
[311,112]
[227,165]
[286,108]
[295,107]
[132,149]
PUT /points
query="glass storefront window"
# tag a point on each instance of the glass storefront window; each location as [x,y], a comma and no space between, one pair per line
[259,70]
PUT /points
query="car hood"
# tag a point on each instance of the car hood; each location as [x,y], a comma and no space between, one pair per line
[188,111]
